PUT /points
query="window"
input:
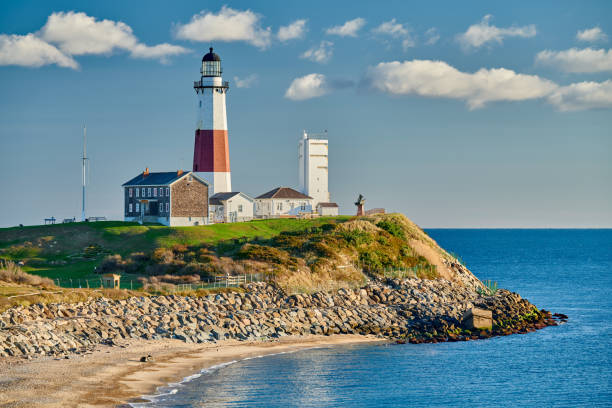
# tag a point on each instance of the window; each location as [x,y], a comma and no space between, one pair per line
[137,207]
[154,192]
[161,192]
[143,192]
[130,207]
[279,206]
[137,191]
[167,191]
[130,192]
[239,207]
[167,207]
[149,192]
[303,206]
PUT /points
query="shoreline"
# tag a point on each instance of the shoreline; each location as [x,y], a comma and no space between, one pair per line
[114,376]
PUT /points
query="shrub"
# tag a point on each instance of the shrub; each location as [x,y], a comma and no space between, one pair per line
[10,272]
[356,237]
[265,254]
[180,248]
[163,255]
[111,263]
[392,228]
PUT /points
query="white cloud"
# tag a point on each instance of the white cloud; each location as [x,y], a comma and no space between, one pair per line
[483,33]
[577,60]
[432,36]
[245,82]
[583,95]
[30,51]
[80,34]
[160,51]
[227,25]
[297,29]
[438,79]
[392,28]
[307,87]
[396,30]
[591,35]
[348,29]
[321,54]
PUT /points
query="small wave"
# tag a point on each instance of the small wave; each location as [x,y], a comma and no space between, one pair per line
[207,370]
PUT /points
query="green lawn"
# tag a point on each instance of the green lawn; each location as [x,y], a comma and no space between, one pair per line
[71,251]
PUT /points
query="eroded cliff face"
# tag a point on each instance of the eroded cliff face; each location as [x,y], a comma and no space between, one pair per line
[347,254]
[415,310]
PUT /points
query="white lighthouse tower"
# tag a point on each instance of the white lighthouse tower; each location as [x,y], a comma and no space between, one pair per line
[313,167]
[211,153]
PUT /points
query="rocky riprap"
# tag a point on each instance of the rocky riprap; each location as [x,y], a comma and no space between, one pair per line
[405,310]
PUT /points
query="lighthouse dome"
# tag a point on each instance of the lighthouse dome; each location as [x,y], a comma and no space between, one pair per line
[211,65]
[211,56]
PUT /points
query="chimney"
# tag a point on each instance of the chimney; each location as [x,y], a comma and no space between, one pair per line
[145,173]
[179,173]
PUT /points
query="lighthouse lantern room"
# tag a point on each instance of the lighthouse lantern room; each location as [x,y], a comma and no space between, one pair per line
[211,152]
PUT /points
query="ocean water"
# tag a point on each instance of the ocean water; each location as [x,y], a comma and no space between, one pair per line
[566,271]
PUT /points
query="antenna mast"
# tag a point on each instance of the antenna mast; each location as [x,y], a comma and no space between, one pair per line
[84,160]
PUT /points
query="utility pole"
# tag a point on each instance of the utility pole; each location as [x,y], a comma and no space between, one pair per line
[84,160]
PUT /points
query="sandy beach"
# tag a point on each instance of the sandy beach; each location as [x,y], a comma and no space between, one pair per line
[114,376]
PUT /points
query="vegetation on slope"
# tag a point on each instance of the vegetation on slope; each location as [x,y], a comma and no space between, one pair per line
[300,255]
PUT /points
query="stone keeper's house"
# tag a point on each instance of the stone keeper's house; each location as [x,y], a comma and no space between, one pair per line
[177,198]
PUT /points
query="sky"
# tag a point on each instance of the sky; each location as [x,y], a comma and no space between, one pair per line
[461,115]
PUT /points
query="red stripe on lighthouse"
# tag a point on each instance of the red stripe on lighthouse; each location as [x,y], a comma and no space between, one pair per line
[211,152]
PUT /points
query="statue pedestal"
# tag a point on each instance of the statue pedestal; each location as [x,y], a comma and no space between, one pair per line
[360,212]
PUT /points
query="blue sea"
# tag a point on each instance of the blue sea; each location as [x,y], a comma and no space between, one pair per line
[565,271]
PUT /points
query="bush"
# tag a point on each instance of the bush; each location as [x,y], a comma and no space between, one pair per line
[163,255]
[266,254]
[356,237]
[111,263]
[10,272]
[392,228]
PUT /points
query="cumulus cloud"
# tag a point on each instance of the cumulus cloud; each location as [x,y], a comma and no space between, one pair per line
[432,36]
[30,51]
[577,60]
[583,95]
[484,33]
[65,35]
[321,53]
[80,34]
[297,29]
[348,29]
[307,87]
[395,30]
[591,35]
[245,82]
[438,79]
[226,25]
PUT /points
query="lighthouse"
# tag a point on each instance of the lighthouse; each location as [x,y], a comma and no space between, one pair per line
[211,152]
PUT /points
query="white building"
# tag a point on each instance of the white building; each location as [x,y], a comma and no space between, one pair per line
[327,209]
[283,202]
[231,207]
[313,167]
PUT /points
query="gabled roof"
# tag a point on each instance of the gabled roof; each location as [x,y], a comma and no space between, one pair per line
[160,178]
[284,192]
[218,198]
[327,205]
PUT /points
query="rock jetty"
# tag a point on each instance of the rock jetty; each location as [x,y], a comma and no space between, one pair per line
[411,310]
